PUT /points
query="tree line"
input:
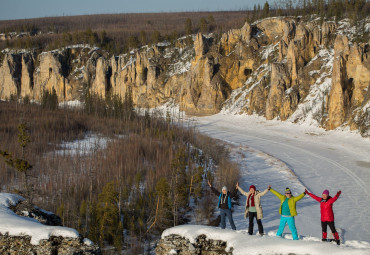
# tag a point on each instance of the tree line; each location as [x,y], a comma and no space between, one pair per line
[149,176]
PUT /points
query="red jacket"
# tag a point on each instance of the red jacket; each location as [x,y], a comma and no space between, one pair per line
[326,206]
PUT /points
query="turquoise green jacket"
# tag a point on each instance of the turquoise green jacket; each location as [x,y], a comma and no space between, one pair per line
[291,201]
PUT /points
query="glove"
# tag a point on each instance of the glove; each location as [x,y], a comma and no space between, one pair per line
[338,193]
[306,191]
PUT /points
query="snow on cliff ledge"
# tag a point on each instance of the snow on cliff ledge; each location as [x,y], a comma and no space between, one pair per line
[242,243]
[15,225]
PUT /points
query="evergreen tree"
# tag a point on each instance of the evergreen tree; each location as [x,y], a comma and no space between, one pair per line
[49,100]
[20,164]
[132,42]
[203,25]
[108,215]
[266,10]
[188,26]
[179,185]
[142,38]
[156,37]
[163,215]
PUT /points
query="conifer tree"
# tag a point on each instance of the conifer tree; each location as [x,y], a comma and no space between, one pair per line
[108,216]
[188,26]
[179,185]
[266,10]
[203,25]
[20,164]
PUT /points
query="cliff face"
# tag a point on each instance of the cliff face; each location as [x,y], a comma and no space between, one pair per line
[280,68]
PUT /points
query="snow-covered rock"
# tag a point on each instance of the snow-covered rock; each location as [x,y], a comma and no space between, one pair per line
[25,235]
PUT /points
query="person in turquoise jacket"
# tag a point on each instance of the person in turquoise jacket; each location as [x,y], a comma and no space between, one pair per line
[287,211]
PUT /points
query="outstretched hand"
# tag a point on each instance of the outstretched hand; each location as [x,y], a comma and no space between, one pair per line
[209,184]
[269,187]
[306,191]
[237,185]
[338,193]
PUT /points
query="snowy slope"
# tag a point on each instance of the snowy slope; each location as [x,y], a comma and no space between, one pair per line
[318,159]
[296,156]
[15,225]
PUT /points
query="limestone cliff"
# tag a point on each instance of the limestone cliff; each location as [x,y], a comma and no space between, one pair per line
[308,71]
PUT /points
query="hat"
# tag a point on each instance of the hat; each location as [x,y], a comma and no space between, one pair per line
[252,186]
[224,188]
[325,192]
[287,190]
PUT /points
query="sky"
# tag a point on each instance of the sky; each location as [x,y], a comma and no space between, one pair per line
[22,9]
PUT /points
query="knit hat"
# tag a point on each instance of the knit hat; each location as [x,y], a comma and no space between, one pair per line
[252,186]
[325,192]
[287,190]
[224,188]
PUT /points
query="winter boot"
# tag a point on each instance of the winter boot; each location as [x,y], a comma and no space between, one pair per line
[324,237]
[336,237]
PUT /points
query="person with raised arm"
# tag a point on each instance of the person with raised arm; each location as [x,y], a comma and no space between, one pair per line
[253,208]
[327,214]
[224,203]
[287,211]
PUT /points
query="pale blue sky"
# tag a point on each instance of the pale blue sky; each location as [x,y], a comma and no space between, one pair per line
[20,9]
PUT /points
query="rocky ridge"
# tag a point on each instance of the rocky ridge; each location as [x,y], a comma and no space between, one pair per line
[311,72]
[175,244]
[58,243]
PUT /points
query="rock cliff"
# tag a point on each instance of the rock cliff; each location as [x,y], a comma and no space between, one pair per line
[308,71]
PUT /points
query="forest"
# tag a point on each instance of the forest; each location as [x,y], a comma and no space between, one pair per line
[119,33]
[139,175]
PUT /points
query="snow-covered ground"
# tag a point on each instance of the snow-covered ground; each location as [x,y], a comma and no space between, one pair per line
[242,243]
[15,225]
[284,154]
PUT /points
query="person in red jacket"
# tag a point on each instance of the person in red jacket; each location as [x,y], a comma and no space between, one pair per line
[327,214]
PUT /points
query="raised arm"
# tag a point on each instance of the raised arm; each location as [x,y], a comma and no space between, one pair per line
[242,191]
[214,191]
[280,196]
[318,199]
[299,197]
[233,193]
[336,196]
[264,192]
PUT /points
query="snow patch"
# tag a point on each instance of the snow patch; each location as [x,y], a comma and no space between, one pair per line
[71,104]
[83,146]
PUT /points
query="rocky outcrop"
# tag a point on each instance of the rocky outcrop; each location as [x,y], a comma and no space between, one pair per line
[25,208]
[10,76]
[350,83]
[20,245]
[17,235]
[52,74]
[272,67]
[174,244]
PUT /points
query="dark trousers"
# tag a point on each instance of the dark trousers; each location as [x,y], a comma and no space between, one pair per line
[226,213]
[324,226]
[253,215]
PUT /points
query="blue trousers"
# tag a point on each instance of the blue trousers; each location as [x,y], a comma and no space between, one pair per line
[291,225]
[227,213]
